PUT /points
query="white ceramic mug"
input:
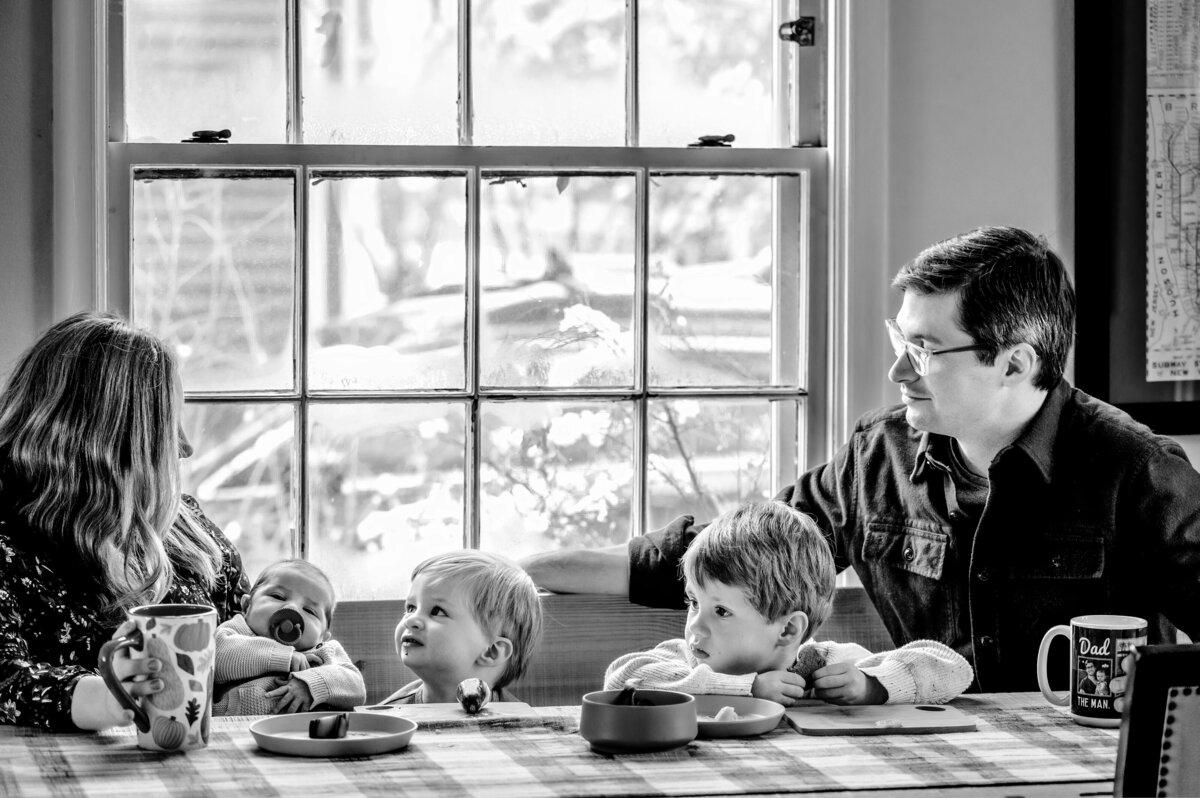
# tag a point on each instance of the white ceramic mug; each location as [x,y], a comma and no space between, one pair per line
[182,637]
[1099,645]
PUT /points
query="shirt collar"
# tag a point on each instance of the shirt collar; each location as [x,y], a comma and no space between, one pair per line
[1036,440]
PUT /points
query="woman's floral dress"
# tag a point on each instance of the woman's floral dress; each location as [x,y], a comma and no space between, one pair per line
[52,625]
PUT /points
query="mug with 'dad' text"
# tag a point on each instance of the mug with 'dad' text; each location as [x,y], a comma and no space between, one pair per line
[1099,647]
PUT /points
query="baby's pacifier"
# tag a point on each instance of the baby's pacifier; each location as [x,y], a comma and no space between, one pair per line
[286,626]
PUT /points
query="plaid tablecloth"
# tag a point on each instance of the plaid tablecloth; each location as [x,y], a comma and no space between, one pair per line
[1021,740]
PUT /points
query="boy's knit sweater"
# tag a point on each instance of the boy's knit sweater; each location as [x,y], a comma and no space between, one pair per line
[922,672]
[247,666]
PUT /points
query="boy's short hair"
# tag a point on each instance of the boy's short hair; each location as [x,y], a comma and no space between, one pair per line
[776,554]
[503,600]
[305,567]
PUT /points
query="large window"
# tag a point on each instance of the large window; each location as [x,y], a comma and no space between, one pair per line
[456,279]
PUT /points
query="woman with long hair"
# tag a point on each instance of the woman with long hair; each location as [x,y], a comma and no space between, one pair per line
[92,518]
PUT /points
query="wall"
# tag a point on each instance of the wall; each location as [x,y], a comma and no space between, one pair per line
[26,212]
[965,118]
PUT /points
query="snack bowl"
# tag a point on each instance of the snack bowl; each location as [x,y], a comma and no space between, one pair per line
[666,720]
[753,715]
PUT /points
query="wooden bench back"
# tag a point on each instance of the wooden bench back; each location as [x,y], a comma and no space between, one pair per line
[582,634]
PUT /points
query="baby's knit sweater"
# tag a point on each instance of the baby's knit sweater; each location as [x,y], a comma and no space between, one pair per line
[924,671]
[247,666]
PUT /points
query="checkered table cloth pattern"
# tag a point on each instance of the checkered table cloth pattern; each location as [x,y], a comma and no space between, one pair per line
[1021,740]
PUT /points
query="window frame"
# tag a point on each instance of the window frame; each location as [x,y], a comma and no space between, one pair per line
[819,282]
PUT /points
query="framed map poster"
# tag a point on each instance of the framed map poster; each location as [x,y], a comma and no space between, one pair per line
[1137,208]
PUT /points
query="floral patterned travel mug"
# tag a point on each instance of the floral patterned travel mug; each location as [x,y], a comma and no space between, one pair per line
[182,637]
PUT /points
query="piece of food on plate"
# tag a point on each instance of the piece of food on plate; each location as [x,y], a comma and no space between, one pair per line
[473,694]
[329,727]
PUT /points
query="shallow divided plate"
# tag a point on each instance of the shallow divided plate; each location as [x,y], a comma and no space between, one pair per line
[817,717]
[754,715]
[369,734]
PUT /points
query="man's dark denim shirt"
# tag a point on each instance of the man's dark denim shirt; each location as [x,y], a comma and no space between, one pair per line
[1088,512]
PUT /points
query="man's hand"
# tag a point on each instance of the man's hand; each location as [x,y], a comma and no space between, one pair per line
[294,696]
[299,662]
[1117,685]
[842,683]
[782,687]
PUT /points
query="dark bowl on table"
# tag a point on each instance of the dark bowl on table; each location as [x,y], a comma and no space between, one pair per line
[667,720]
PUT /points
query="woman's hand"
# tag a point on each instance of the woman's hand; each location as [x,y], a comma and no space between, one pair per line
[843,683]
[94,707]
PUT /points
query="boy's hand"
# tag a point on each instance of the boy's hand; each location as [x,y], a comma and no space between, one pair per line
[314,657]
[294,696]
[299,662]
[842,683]
[782,687]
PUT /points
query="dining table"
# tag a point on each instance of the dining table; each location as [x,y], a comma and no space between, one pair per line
[1021,746]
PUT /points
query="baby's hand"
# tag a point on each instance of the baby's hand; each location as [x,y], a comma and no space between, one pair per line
[842,683]
[293,697]
[314,657]
[299,661]
[782,687]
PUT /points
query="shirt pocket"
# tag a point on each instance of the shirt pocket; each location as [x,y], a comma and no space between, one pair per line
[1063,556]
[905,547]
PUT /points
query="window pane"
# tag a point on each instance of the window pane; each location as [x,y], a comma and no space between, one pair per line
[555,475]
[380,71]
[386,282]
[548,73]
[711,263]
[557,276]
[242,472]
[708,456]
[705,69]
[385,491]
[214,274]
[205,65]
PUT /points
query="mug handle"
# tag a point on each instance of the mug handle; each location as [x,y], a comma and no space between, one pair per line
[1059,699]
[131,640]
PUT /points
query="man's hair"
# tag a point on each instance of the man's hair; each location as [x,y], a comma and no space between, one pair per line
[774,553]
[89,435]
[503,599]
[1014,289]
[304,567]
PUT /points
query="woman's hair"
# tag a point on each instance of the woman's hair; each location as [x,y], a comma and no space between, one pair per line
[774,553]
[504,600]
[1014,289]
[89,438]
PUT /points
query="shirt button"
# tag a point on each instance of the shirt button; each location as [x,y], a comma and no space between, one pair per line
[983,575]
[956,515]
[986,640]
[909,554]
[1056,562]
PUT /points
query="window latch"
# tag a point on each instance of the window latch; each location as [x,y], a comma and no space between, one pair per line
[210,136]
[713,141]
[802,31]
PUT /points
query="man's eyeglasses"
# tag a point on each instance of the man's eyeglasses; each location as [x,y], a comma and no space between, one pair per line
[918,356]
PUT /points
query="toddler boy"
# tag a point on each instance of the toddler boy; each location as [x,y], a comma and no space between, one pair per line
[759,583]
[469,614]
[277,656]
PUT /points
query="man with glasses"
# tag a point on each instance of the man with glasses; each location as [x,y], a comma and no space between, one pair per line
[997,500]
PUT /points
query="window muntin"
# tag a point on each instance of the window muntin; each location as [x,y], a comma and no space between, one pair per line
[482,428]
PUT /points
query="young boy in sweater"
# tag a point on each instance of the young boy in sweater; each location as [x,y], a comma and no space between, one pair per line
[759,583]
[277,656]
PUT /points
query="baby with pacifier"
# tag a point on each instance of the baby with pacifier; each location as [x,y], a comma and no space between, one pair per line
[277,656]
